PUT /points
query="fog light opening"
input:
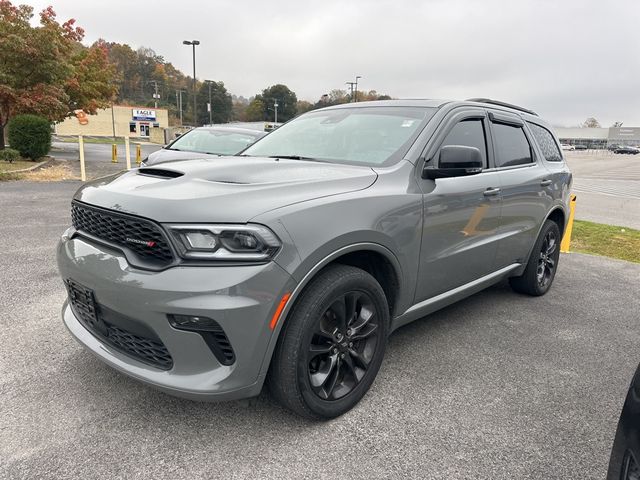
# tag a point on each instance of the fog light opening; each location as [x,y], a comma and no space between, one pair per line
[192,322]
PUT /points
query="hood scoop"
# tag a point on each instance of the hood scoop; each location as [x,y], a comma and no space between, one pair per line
[159,173]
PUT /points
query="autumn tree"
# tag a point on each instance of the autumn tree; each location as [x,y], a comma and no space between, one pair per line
[45,70]
[286,99]
[255,112]
[221,104]
[591,123]
[303,106]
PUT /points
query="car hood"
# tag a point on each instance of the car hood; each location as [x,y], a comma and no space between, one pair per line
[224,189]
[164,155]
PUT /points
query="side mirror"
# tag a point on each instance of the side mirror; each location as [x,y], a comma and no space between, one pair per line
[455,161]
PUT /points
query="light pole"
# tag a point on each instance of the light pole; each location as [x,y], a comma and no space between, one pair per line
[351,84]
[193,43]
[210,105]
[357,77]
[275,106]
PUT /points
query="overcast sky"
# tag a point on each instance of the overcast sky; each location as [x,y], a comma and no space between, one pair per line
[566,59]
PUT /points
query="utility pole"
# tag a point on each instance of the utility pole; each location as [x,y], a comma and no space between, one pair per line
[179,103]
[210,106]
[156,96]
[351,84]
[275,106]
[193,43]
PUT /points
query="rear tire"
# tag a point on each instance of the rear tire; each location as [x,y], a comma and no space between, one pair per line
[332,344]
[543,263]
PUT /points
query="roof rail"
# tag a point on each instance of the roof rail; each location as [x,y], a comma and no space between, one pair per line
[502,104]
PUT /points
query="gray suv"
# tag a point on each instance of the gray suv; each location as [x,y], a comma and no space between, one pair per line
[293,262]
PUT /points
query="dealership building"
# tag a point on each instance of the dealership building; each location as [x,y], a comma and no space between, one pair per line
[119,121]
[599,137]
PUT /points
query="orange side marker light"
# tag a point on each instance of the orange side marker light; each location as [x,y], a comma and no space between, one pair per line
[278,312]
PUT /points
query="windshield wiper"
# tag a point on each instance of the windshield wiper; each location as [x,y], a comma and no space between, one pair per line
[294,157]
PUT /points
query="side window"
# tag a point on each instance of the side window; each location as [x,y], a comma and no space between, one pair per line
[511,144]
[469,133]
[546,142]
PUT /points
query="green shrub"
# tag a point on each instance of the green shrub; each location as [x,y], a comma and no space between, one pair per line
[9,155]
[30,135]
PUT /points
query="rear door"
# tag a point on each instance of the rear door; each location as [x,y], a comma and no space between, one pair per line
[461,214]
[525,184]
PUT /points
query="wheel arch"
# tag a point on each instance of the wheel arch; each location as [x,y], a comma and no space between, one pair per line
[556,214]
[357,254]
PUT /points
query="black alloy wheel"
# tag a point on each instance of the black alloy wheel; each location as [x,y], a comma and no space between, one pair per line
[547,260]
[343,345]
[332,343]
[542,264]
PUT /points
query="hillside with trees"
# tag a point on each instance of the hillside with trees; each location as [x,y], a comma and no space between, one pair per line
[46,70]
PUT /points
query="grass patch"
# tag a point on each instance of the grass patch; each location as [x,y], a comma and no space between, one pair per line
[19,165]
[606,240]
[52,173]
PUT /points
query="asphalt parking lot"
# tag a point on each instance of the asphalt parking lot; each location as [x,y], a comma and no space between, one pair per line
[499,386]
[607,186]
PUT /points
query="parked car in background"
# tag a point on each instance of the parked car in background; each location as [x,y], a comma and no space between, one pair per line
[627,150]
[564,146]
[205,142]
[624,463]
[580,147]
[292,263]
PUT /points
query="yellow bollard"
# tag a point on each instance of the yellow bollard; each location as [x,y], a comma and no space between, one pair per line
[566,240]
[138,155]
[83,173]
[114,153]
[127,153]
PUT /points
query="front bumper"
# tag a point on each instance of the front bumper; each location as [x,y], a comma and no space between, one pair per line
[241,299]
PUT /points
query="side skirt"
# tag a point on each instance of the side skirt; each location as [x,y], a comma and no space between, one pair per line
[432,304]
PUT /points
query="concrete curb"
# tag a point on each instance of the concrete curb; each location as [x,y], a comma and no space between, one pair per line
[37,165]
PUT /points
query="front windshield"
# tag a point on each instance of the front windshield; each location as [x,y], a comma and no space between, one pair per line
[218,142]
[370,136]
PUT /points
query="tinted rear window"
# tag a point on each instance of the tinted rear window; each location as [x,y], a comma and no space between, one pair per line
[546,142]
[512,146]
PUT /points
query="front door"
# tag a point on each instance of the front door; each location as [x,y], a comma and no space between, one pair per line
[144,129]
[461,214]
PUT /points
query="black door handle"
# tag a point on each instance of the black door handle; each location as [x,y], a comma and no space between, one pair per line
[489,192]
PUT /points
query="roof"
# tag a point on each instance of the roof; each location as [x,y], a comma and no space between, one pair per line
[406,102]
[433,103]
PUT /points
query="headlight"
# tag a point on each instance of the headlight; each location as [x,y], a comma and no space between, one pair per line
[225,242]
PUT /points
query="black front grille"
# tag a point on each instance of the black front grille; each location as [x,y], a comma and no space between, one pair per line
[87,311]
[145,349]
[142,237]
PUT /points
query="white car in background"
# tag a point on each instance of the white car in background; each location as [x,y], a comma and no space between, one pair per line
[205,142]
[564,146]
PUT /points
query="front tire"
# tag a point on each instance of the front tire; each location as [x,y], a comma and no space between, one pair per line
[332,344]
